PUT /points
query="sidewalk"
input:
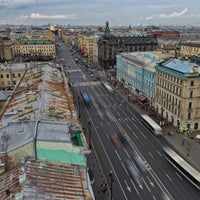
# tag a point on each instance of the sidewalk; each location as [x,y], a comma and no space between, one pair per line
[188,148]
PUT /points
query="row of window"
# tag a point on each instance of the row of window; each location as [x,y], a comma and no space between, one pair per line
[170,77]
[8,83]
[8,75]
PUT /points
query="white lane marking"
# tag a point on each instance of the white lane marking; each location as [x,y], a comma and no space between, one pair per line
[179,176]
[150,154]
[160,153]
[135,187]
[151,183]
[118,155]
[143,134]
[146,184]
[168,177]
[127,186]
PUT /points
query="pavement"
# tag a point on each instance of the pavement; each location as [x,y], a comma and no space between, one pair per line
[188,147]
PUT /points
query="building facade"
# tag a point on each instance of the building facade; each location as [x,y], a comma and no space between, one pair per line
[110,45]
[10,74]
[190,49]
[137,72]
[33,48]
[178,93]
[6,53]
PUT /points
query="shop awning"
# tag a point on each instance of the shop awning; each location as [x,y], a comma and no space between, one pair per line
[142,98]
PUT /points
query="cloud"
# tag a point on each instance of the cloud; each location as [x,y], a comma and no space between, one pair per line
[174,14]
[171,15]
[39,16]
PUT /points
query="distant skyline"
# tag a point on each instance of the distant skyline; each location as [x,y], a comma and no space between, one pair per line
[97,12]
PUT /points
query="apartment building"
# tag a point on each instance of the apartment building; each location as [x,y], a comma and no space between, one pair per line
[34,48]
[85,45]
[6,53]
[178,92]
[10,74]
[190,49]
[136,71]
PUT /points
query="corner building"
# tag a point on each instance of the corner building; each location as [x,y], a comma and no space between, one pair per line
[110,45]
[178,93]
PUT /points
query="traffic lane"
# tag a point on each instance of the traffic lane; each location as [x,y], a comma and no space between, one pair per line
[152,155]
[167,175]
[116,161]
[146,184]
[106,153]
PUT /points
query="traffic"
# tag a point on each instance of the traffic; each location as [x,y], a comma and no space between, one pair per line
[123,142]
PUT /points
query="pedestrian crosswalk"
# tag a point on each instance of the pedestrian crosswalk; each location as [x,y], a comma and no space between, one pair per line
[87,83]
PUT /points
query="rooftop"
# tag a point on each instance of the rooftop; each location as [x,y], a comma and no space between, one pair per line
[44,180]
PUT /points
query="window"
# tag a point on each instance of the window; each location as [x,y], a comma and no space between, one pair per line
[13,75]
[196,125]
[191,94]
[190,104]
[192,83]
[189,115]
[1,75]
[19,75]
[7,76]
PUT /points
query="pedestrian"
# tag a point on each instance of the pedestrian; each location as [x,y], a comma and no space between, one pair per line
[104,187]
[183,141]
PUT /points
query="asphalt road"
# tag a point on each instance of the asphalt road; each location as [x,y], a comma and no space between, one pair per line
[110,114]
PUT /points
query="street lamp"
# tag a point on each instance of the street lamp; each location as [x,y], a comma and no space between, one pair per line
[111,184]
[89,133]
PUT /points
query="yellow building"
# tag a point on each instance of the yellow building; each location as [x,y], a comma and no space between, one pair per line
[33,48]
[189,49]
[85,45]
[178,93]
[10,74]
[6,50]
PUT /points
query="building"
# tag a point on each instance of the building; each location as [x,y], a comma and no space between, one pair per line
[41,134]
[136,71]
[34,48]
[10,74]
[190,49]
[85,46]
[6,53]
[110,45]
[178,93]
[166,34]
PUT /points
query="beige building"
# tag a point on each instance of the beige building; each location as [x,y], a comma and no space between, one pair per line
[6,53]
[10,74]
[190,49]
[178,93]
[85,45]
[34,48]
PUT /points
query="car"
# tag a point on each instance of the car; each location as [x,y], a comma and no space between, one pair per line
[115,141]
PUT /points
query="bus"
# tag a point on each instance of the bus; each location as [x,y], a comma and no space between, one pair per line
[188,171]
[107,86]
[151,125]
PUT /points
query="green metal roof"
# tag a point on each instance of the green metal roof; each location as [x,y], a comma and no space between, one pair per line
[61,156]
[38,42]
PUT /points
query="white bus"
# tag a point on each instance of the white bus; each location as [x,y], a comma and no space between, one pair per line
[107,86]
[188,171]
[151,125]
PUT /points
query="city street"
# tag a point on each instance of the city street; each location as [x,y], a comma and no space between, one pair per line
[109,115]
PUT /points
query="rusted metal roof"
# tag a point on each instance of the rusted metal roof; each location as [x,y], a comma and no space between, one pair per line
[42,180]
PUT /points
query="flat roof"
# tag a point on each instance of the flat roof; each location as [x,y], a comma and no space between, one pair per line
[180,65]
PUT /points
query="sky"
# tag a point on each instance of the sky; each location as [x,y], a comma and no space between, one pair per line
[97,12]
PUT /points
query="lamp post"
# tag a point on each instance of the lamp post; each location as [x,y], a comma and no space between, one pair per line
[89,133]
[111,184]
